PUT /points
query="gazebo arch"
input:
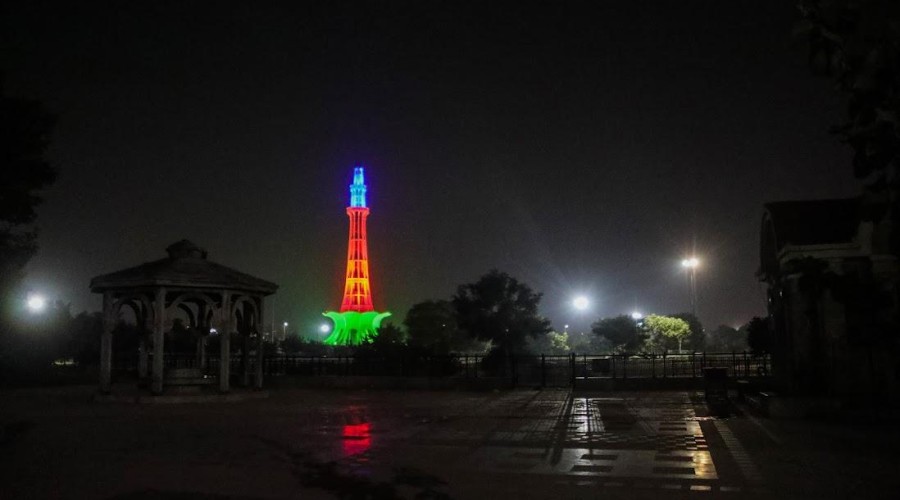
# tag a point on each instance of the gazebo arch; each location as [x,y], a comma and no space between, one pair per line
[209,294]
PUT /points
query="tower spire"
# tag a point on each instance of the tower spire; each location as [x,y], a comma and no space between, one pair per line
[358,188]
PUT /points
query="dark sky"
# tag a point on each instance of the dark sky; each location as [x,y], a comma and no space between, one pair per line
[581,147]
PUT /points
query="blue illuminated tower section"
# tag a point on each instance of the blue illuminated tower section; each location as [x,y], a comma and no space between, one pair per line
[357,321]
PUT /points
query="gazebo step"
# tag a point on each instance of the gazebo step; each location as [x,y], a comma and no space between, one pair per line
[191,381]
[184,373]
[186,377]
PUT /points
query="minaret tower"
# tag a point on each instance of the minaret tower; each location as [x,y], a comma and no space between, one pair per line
[357,321]
[357,293]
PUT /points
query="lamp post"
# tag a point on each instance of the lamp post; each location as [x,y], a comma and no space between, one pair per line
[581,303]
[36,303]
[284,330]
[691,264]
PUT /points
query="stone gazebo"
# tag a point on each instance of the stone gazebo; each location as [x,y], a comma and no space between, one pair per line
[209,298]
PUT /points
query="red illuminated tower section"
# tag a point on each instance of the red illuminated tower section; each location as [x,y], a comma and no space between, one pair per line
[357,293]
[357,321]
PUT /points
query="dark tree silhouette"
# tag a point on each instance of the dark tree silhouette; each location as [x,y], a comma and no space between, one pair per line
[500,309]
[623,333]
[24,132]
[390,336]
[857,44]
[759,337]
[83,343]
[726,339]
[433,328]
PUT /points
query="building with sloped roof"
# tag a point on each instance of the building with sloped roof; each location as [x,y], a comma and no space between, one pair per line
[206,297]
[832,294]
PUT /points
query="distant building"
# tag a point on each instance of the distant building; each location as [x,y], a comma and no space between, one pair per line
[832,299]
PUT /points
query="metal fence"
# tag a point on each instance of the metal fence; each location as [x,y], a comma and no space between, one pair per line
[739,365]
[531,370]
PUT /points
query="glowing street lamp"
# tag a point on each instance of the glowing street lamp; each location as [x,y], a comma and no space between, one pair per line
[36,303]
[324,328]
[284,330]
[691,264]
[581,303]
[636,315]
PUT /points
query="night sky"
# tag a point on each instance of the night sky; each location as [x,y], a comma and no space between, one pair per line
[580,147]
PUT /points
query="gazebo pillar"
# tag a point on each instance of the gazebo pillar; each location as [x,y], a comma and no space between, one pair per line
[144,346]
[224,330]
[260,344]
[159,327]
[201,351]
[109,322]
[245,359]
[143,357]
[204,336]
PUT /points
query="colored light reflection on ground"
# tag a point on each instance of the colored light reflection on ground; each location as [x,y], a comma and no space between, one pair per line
[357,439]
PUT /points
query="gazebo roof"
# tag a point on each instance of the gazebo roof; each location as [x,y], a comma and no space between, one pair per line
[186,266]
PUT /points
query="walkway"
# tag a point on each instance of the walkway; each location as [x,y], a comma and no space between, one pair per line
[418,444]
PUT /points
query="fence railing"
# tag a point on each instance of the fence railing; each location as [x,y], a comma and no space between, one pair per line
[739,365]
[535,370]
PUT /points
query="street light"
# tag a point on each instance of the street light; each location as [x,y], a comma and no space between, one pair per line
[284,330]
[581,303]
[324,328]
[691,264]
[636,315]
[36,303]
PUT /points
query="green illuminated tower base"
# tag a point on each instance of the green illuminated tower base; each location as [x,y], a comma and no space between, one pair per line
[352,327]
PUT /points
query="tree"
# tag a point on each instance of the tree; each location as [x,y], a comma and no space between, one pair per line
[726,339]
[432,327]
[551,343]
[759,338]
[662,328]
[696,339]
[84,338]
[621,332]
[500,309]
[857,44]
[24,131]
[390,336]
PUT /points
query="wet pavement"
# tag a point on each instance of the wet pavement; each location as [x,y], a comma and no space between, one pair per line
[423,444]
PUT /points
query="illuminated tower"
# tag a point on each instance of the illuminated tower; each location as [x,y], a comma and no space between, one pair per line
[357,293]
[357,320]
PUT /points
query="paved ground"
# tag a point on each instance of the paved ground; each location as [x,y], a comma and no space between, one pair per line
[418,444]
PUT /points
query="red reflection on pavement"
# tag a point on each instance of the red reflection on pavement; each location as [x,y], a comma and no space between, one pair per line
[356,439]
